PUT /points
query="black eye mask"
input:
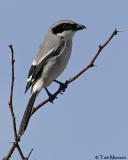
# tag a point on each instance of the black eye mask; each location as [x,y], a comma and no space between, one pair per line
[64,27]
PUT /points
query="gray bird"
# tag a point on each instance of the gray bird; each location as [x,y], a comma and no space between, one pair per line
[50,61]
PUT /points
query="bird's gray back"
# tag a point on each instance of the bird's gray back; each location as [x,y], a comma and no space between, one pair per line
[49,42]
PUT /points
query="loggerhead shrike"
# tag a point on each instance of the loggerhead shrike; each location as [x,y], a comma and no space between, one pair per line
[50,61]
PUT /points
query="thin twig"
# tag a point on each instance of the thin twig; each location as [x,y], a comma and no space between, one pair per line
[20,152]
[11,93]
[10,103]
[14,146]
[73,78]
[29,154]
[10,152]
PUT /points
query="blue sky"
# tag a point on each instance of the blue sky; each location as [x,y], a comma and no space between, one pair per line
[91,117]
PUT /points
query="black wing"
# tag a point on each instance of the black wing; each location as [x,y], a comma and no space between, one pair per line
[36,70]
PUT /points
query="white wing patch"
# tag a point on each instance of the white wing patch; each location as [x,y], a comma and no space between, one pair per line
[34,63]
[29,79]
[46,55]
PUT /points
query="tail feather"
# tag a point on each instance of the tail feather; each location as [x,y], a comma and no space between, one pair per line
[28,86]
[27,114]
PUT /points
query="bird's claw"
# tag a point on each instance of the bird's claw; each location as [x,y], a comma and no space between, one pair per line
[63,86]
[52,97]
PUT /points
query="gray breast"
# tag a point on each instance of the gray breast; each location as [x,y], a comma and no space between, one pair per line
[56,65]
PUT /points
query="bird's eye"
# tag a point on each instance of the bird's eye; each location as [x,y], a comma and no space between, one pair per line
[74,26]
[66,26]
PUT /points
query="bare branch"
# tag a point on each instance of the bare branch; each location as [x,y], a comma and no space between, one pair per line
[20,152]
[29,154]
[11,93]
[73,78]
[10,152]
[10,103]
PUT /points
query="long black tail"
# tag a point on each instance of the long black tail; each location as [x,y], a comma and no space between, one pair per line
[27,114]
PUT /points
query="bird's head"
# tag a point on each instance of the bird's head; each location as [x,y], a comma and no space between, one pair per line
[66,28]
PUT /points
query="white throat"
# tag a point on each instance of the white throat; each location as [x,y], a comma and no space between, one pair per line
[67,35]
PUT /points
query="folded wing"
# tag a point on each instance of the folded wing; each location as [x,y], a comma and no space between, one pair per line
[37,69]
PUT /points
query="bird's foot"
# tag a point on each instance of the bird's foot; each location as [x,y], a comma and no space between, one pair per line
[63,86]
[52,97]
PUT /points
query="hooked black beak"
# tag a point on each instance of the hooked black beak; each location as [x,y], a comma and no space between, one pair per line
[80,27]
